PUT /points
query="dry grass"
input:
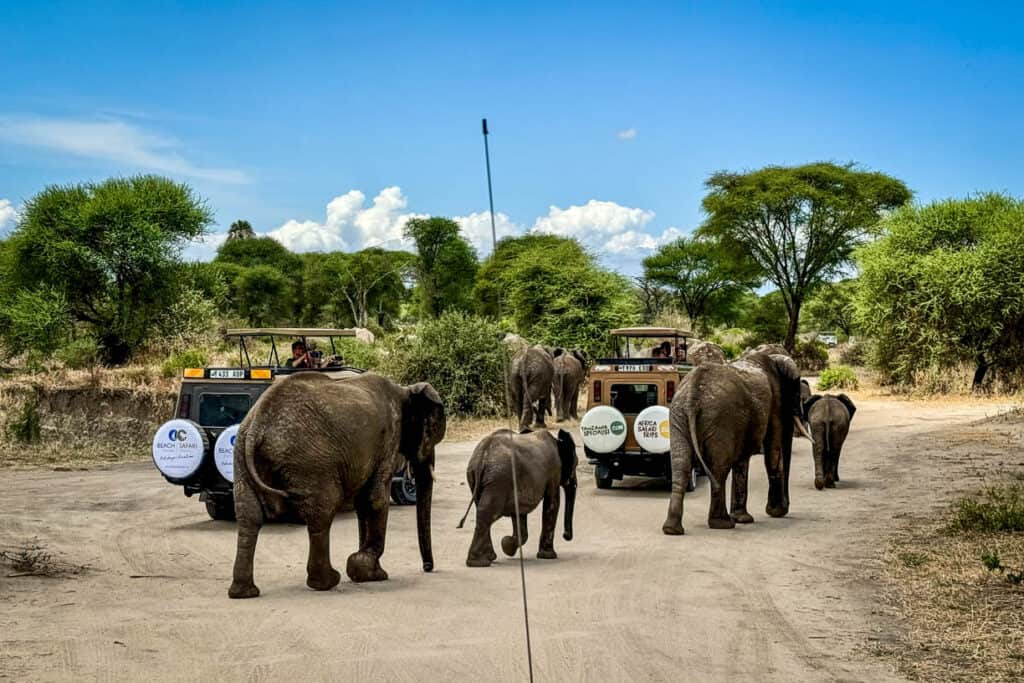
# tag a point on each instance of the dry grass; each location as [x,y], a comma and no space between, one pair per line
[31,558]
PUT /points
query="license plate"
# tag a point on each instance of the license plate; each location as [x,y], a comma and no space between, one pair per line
[633,368]
[227,374]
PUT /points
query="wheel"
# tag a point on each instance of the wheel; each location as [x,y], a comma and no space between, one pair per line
[602,482]
[221,507]
[403,489]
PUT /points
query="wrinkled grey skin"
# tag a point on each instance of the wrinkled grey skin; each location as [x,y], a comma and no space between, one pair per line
[829,417]
[532,373]
[310,443]
[543,464]
[705,352]
[570,371]
[770,349]
[723,414]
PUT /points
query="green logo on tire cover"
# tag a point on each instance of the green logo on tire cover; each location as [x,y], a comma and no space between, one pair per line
[618,428]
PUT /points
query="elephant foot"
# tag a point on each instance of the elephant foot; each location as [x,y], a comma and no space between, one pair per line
[240,590]
[324,583]
[363,567]
[819,483]
[777,510]
[509,546]
[830,483]
[721,523]
[540,425]
[479,561]
[670,528]
[547,554]
[742,517]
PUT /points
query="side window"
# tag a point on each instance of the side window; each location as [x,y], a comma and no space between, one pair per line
[630,399]
[222,410]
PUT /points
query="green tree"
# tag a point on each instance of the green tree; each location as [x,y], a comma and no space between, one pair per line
[800,224]
[831,307]
[653,298]
[363,288]
[262,295]
[446,265]
[241,230]
[945,285]
[259,251]
[765,317]
[702,274]
[112,250]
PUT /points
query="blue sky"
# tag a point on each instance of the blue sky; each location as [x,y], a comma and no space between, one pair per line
[605,118]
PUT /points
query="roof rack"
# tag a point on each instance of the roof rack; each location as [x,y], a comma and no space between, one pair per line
[651,332]
[290,332]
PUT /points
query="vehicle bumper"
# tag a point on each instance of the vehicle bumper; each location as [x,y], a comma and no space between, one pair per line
[634,462]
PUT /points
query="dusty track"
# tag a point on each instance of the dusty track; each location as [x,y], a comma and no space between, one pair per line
[783,599]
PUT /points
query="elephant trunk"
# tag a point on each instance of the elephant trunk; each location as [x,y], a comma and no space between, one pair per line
[424,493]
[570,504]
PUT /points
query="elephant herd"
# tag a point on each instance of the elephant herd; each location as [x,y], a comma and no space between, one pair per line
[539,371]
[311,443]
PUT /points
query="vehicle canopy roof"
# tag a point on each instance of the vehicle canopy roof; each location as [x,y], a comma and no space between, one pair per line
[650,332]
[291,332]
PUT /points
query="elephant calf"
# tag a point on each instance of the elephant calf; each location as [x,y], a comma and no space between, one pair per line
[570,371]
[829,417]
[543,464]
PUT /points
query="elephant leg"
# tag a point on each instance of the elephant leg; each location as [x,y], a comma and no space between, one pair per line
[526,420]
[249,513]
[778,500]
[821,463]
[560,401]
[481,549]
[739,491]
[543,406]
[372,511]
[549,520]
[320,575]
[835,468]
[681,463]
[509,546]
[718,513]
[574,403]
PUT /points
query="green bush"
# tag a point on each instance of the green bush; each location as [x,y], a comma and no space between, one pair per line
[460,355]
[356,353]
[34,320]
[192,358]
[26,426]
[811,356]
[854,353]
[838,377]
[994,509]
[78,354]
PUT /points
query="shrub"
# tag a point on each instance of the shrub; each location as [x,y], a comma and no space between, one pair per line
[838,377]
[78,354]
[26,426]
[460,355]
[994,509]
[811,356]
[358,354]
[854,353]
[192,358]
[34,320]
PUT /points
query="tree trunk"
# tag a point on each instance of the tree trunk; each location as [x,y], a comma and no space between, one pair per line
[980,372]
[794,323]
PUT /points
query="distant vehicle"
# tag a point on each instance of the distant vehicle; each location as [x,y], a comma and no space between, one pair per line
[829,339]
[195,449]
[626,426]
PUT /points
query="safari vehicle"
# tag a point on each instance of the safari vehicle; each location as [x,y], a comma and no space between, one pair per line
[195,449]
[626,426]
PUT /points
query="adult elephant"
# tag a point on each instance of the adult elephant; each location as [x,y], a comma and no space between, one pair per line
[532,373]
[829,418]
[311,443]
[770,349]
[705,352]
[570,371]
[724,414]
[543,464]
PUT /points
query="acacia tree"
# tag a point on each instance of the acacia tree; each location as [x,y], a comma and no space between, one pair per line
[112,250]
[831,306]
[369,282]
[446,265]
[653,298]
[241,230]
[800,224]
[700,272]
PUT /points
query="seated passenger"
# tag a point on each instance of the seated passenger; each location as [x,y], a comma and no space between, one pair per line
[300,357]
[656,352]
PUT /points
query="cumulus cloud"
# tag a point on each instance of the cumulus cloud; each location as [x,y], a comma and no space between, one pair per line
[596,218]
[204,248]
[627,134]
[476,227]
[114,141]
[8,215]
[351,226]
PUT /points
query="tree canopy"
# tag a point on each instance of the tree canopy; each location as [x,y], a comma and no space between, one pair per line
[446,265]
[945,285]
[241,230]
[800,224]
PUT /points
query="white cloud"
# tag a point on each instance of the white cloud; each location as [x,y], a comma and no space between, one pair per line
[476,227]
[8,215]
[593,222]
[204,248]
[627,134]
[114,141]
[349,226]
[632,240]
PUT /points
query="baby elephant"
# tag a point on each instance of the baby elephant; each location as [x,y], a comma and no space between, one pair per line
[543,463]
[829,417]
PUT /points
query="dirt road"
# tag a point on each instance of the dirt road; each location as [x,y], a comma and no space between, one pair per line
[780,600]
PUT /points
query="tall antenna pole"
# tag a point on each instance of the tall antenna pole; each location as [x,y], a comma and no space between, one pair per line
[490,193]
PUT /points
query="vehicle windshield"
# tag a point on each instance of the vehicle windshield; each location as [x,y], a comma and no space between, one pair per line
[671,348]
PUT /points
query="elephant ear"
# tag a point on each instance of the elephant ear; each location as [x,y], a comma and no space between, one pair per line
[566,454]
[581,358]
[809,403]
[848,403]
[789,380]
[557,351]
[423,420]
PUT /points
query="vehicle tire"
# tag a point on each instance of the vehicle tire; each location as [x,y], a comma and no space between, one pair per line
[221,508]
[403,489]
[602,482]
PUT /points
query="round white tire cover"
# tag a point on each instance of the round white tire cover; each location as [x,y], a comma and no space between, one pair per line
[604,429]
[651,429]
[224,453]
[178,448]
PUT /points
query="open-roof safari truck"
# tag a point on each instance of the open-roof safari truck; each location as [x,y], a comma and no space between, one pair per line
[626,426]
[195,449]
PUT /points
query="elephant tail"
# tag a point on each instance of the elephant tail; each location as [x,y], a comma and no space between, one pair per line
[474,481]
[695,440]
[249,450]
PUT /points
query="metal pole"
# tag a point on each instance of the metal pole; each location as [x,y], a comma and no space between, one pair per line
[490,193]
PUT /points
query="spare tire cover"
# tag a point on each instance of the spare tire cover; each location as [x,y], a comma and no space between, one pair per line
[179,447]
[224,453]
[604,429]
[651,429]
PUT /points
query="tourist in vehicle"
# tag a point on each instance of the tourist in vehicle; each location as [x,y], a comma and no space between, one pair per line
[300,357]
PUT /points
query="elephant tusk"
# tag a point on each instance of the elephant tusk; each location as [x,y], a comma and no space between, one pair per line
[803,429]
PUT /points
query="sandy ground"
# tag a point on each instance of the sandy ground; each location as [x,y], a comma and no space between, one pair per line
[788,599]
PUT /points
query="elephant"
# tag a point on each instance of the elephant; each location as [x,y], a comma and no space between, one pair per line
[778,349]
[724,414]
[530,386]
[312,443]
[570,371]
[705,352]
[543,464]
[829,418]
